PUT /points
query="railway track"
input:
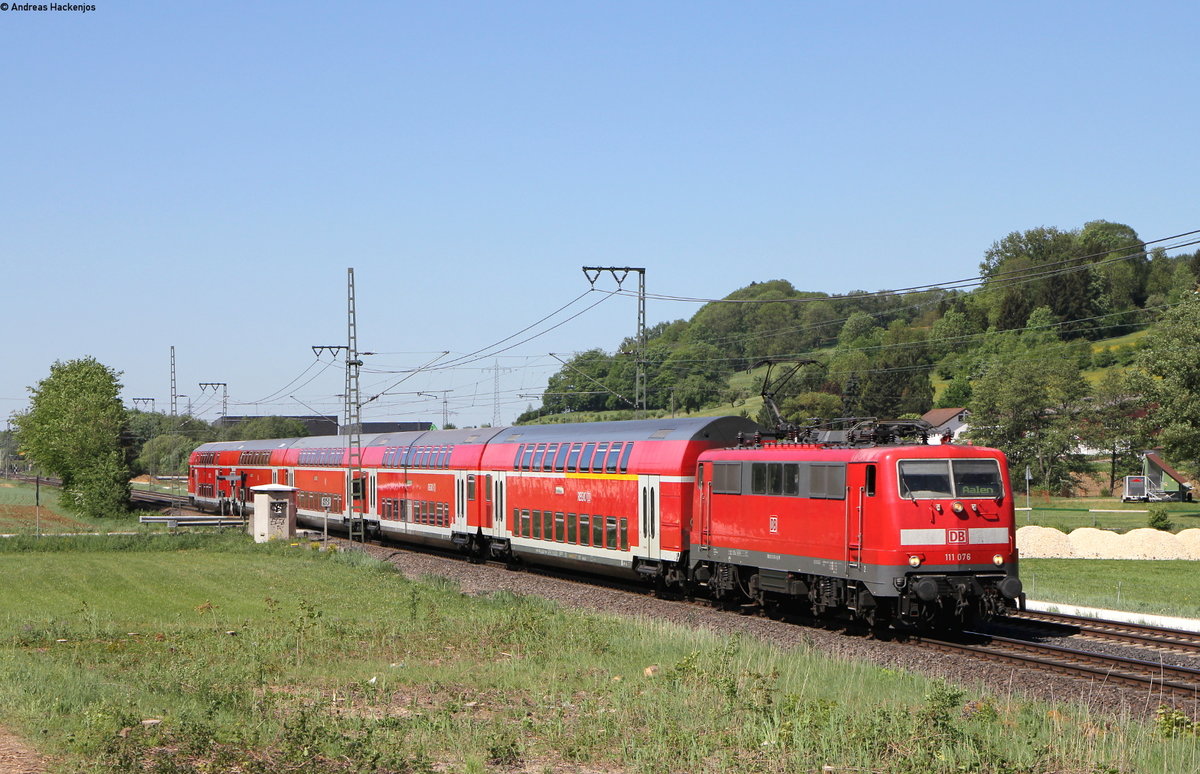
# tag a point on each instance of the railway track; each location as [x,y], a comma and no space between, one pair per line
[1140,635]
[1153,676]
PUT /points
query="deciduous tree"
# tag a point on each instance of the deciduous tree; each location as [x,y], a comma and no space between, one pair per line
[75,429]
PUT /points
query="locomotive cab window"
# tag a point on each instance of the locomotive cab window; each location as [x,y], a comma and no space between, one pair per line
[977,478]
[927,479]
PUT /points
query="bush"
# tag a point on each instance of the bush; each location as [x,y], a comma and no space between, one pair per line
[1160,519]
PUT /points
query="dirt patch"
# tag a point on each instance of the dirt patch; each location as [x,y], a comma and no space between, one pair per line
[21,516]
[16,757]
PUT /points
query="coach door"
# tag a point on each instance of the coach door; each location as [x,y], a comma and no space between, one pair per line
[704,519]
[463,483]
[649,516]
[499,521]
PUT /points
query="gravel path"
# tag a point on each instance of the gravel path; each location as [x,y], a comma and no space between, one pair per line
[971,674]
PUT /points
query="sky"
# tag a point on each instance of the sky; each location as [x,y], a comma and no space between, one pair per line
[203,175]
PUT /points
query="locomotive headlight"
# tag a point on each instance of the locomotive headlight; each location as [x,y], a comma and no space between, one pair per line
[958,508]
[997,560]
[914,561]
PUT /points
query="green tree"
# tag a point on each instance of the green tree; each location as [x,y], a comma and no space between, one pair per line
[957,393]
[75,428]
[166,455]
[1168,358]
[1111,423]
[1029,407]
[265,427]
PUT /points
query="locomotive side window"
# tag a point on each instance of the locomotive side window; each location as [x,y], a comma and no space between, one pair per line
[775,478]
[758,478]
[977,478]
[727,477]
[791,479]
[870,485]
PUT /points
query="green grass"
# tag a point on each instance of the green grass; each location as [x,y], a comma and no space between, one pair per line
[270,658]
[1070,513]
[1141,586]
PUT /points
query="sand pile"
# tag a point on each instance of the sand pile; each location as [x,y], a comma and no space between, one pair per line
[1089,543]
[1092,543]
[1043,543]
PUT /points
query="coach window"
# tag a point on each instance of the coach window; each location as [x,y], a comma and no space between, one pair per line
[624,466]
[471,487]
[548,462]
[598,531]
[624,534]
[585,461]
[598,461]
[548,525]
[585,535]
[537,456]
[614,454]
[525,530]
[560,461]
[573,457]
[572,533]
[610,533]
[527,456]
[560,531]
[536,523]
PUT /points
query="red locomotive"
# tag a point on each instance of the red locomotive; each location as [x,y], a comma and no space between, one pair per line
[886,532]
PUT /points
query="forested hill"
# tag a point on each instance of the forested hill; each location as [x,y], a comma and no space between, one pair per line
[1048,305]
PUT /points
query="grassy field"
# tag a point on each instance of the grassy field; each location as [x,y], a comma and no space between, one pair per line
[19,513]
[190,653]
[1068,513]
[1142,586]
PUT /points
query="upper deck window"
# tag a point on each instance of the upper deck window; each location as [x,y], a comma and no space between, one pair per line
[931,479]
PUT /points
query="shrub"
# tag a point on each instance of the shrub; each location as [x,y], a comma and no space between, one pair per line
[1160,519]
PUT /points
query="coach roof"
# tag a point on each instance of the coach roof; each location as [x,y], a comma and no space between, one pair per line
[718,429]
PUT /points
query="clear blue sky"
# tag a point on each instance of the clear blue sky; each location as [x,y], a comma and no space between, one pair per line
[201,175]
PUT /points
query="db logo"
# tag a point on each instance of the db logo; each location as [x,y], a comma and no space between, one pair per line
[956,535]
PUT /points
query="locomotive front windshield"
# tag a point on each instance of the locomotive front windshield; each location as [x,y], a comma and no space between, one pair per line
[931,479]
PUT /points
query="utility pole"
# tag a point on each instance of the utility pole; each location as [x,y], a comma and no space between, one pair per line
[224,395]
[445,404]
[496,371]
[619,273]
[174,395]
[354,416]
